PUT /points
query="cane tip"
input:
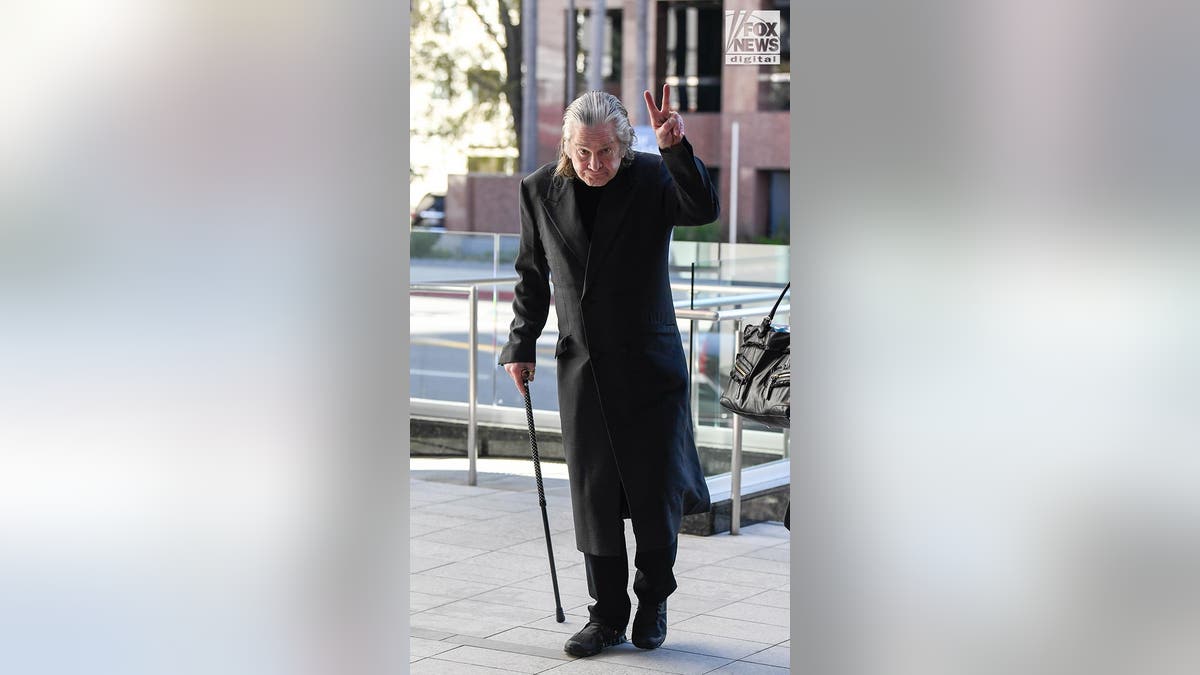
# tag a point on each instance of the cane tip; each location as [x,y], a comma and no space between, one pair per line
[559,615]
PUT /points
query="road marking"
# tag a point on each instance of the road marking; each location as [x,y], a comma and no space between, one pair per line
[440,373]
[456,344]
[454,374]
[460,344]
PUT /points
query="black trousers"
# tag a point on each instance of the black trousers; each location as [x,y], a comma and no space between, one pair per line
[607,577]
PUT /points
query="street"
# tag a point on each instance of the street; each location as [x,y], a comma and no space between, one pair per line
[439,346]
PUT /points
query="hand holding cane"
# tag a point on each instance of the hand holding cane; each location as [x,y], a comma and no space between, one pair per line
[537,473]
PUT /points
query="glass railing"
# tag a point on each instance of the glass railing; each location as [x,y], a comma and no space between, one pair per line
[702,275]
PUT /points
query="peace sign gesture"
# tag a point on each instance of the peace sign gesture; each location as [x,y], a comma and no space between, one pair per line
[667,124]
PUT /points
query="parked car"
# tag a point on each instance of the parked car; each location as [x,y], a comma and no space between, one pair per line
[430,214]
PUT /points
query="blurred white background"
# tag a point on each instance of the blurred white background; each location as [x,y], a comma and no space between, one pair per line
[997,457]
[186,190]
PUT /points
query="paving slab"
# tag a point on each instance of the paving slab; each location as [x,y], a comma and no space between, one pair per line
[590,666]
[505,660]
[481,597]
[772,598]
[449,552]
[488,540]
[659,660]
[563,543]
[778,553]
[686,603]
[534,637]
[741,577]
[750,563]
[455,588]
[519,561]
[570,582]
[431,620]
[780,657]
[499,644]
[714,589]
[469,571]
[422,564]
[710,645]
[748,668]
[734,628]
[426,634]
[775,616]
[419,648]
[575,621]
[422,524]
[475,609]
[532,599]
[437,666]
[419,602]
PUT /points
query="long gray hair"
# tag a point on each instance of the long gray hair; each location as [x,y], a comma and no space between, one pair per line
[595,108]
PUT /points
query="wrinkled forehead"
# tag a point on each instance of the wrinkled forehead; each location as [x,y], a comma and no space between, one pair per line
[594,136]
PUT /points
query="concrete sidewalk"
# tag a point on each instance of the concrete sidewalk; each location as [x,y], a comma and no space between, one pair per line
[482,602]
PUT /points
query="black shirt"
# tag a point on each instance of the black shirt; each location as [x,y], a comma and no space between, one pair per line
[587,198]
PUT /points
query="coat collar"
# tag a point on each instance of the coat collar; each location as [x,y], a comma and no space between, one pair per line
[563,213]
[610,221]
[559,203]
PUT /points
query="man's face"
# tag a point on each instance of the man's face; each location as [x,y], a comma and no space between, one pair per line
[595,154]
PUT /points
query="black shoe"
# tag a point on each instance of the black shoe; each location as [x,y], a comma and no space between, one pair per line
[593,638]
[650,625]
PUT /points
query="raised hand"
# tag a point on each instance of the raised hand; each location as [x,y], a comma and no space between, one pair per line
[667,124]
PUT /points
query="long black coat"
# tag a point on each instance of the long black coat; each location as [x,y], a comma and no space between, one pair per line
[622,377]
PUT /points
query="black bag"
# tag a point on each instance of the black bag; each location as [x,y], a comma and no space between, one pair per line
[760,382]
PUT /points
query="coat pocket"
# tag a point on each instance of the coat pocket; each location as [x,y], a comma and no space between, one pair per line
[562,346]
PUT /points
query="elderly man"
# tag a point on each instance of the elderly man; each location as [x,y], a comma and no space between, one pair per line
[598,223]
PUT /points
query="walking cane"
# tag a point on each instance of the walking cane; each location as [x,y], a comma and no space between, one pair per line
[537,473]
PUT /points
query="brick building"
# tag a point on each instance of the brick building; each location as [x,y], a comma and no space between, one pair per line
[686,50]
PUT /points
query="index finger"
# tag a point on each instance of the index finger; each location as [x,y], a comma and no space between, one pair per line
[666,99]
[650,107]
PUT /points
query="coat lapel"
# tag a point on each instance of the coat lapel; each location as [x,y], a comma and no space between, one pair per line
[610,220]
[559,203]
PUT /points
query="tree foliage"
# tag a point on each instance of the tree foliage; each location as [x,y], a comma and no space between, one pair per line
[467,92]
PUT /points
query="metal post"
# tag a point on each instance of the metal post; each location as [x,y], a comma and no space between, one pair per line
[733,182]
[529,103]
[572,52]
[694,369]
[472,377]
[735,453]
[495,311]
[596,67]
[641,69]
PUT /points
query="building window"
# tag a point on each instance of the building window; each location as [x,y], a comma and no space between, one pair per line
[774,185]
[775,81]
[686,58]
[610,64]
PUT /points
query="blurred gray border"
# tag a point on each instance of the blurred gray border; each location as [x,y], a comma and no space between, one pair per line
[403,344]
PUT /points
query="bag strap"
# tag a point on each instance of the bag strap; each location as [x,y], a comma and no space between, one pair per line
[771,316]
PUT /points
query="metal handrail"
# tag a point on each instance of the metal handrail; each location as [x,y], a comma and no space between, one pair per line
[692,303]
[735,455]
[471,288]
[482,281]
[724,315]
[723,288]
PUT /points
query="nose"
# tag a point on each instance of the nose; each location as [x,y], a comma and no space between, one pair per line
[594,163]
